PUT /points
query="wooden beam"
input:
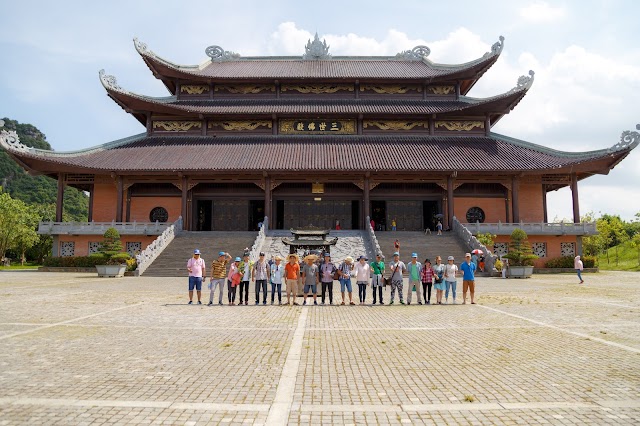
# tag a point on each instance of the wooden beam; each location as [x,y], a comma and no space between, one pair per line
[515,182]
[60,198]
[119,198]
[574,197]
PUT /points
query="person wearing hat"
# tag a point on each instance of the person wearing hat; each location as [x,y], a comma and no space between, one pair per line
[311,276]
[218,275]
[327,271]
[276,274]
[450,270]
[415,268]
[345,278]
[246,270]
[468,269]
[233,279]
[197,269]
[261,272]
[363,272]
[377,283]
[292,273]
[397,267]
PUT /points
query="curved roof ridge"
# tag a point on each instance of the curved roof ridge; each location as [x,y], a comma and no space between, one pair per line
[97,148]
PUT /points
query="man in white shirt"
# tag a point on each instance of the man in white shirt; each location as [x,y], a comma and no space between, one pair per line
[397,268]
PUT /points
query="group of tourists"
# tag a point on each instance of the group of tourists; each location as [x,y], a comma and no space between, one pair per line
[315,273]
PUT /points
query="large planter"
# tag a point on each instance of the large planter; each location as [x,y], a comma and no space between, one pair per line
[111,271]
[520,271]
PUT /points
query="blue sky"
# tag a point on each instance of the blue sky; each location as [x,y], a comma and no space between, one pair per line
[585,54]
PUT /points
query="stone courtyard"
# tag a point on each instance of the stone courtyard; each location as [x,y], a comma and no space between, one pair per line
[76,349]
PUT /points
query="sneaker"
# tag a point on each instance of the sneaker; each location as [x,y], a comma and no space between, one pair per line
[210,303]
[271,303]
[374,302]
[190,302]
[199,302]
[446,301]
[304,303]
[280,303]
[315,303]
[265,302]
[402,302]
[454,301]
[257,303]
[391,303]
[428,302]
[322,303]
[296,303]
[220,303]
[408,303]
[419,303]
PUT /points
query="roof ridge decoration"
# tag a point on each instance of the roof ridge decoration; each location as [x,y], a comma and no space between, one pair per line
[142,48]
[10,140]
[524,82]
[496,48]
[628,140]
[316,49]
[109,81]
[418,53]
[218,54]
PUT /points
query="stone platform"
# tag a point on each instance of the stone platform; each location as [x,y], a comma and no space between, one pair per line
[76,349]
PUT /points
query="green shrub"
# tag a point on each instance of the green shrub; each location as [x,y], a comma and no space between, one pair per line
[132,264]
[567,262]
[520,252]
[74,262]
[119,258]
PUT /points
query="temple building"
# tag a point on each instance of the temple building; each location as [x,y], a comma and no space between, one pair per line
[319,140]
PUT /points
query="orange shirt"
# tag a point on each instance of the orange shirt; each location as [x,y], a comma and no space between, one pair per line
[292,271]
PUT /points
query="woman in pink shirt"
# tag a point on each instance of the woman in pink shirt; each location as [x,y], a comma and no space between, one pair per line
[233,279]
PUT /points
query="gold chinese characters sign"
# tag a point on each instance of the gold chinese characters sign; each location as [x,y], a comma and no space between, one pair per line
[317,126]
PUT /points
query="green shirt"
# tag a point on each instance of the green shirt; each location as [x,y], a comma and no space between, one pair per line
[377,267]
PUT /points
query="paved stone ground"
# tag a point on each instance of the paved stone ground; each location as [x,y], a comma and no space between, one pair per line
[75,349]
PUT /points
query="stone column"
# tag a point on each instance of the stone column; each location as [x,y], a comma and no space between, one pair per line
[119,198]
[450,210]
[183,210]
[60,198]
[514,199]
[574,197]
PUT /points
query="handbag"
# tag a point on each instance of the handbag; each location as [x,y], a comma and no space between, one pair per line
[387,281]
[438,279]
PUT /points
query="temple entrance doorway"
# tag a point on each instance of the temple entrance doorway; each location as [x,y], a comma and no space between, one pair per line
[379,214]
[429,212]
[204,215]
[256,214]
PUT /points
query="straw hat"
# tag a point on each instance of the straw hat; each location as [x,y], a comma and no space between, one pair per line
[349,259]
[295,256]
[278,258]
[311,257]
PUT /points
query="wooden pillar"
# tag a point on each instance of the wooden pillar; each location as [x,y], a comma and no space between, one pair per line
[574,196]
[366,208]
[514,199]
[183,210]
[544,203]
[90,215]
[119,198]
[507,208]
[450,201]
[128,205]
[267,199]
[60,198]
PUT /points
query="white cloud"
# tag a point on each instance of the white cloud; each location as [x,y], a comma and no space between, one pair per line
[541,11]
[598,199]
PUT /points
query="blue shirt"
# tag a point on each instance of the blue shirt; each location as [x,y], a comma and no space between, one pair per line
[468,269]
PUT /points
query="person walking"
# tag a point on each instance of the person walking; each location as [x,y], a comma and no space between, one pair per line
[373,224]
[261,272]
[450,271]
[310,274]
[397,268]
[327,271]
[468,269]
[415,268]
[579,267]
[277,273]
[292,273]
[246,270]
[377,282]
[438,279]
[363,272]
[197,269]
[345,278]
[233,280]
[218,276]
[426,277]
[439,228]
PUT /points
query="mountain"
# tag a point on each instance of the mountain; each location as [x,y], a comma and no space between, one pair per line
[38,190]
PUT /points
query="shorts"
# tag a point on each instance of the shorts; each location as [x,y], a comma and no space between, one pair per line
[311,287]
[346,282]
[468,285]
[292,285]
[195,282]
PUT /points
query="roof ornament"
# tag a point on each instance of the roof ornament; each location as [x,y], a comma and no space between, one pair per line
[524,82]
[9,140]
[628,140]
[109,81]
[418,53]
[142,48]
[496,48]
[316,49]
[218,54]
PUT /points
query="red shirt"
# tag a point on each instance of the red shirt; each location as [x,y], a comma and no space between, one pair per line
[426,275]
[292,271]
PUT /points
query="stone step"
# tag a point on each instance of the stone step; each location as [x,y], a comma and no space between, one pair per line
[350,243]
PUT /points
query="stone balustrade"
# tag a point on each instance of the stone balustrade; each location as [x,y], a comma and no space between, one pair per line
[542,228]
[99,228]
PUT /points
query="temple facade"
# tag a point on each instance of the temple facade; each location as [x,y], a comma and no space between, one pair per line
[319,140]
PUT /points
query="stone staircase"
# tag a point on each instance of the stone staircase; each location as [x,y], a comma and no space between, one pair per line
[350,243]
[427,246]
[173,260]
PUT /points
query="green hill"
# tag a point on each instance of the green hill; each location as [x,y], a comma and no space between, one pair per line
[627,258]
[37,190]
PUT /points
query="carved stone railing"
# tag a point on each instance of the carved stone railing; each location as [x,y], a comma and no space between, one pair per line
[259,242]
[534,228]
[146,257]
[99,228]
[467,237]
[373,240]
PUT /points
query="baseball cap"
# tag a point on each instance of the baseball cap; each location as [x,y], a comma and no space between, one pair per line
[467,255]
[221,253]
[414,254]
[450,258]
[238,259]
[326,254]
[396,254]
[196,251]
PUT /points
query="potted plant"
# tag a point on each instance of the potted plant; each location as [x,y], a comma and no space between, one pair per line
[115,260]
[520,255]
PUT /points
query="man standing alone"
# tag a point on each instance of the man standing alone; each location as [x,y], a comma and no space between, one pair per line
[468,269]
[197,269]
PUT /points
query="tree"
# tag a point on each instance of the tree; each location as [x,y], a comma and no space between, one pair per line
[486,239]
[17,225]
[635,243]
[520,252]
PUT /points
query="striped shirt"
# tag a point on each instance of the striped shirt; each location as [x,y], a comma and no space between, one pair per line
[219,269]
